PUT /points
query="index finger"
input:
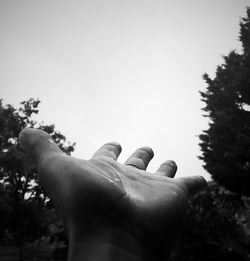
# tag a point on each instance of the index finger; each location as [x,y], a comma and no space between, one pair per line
[38,144]
[111,150]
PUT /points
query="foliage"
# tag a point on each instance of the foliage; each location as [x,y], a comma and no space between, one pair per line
[24,211]
[217,227]
[226,144]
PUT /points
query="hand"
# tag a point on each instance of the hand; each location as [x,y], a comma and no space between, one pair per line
[113,211]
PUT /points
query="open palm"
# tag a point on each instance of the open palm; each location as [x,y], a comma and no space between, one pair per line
[102,194]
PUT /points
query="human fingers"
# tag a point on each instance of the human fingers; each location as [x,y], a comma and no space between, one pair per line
[111,150]
[140,158]
[167,168]
[193,184]
[38,144]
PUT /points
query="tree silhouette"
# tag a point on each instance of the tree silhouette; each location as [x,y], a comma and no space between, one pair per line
[217,227]
[23,202]
[226,144]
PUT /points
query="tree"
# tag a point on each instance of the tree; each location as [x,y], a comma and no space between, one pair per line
[226,144]
[217,227]
[23,202]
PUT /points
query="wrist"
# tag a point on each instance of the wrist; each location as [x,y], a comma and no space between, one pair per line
[107,244]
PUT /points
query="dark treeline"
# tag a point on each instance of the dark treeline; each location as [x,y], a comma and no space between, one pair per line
[218,222]
[27,217]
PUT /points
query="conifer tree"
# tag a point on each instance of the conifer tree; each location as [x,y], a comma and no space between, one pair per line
[225,145]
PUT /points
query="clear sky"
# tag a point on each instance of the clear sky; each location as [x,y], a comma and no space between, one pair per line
[119,70]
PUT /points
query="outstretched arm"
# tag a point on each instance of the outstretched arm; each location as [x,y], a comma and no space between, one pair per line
[113,211]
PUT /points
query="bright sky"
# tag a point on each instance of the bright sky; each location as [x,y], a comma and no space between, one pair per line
[119,70]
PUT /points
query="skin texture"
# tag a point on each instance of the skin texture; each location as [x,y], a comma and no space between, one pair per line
[113,211]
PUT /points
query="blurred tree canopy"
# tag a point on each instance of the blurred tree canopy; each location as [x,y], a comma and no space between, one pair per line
[25,210]
[226,144]
[218,220]
[217,227]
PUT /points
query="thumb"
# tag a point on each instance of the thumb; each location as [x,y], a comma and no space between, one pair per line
[38,144]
